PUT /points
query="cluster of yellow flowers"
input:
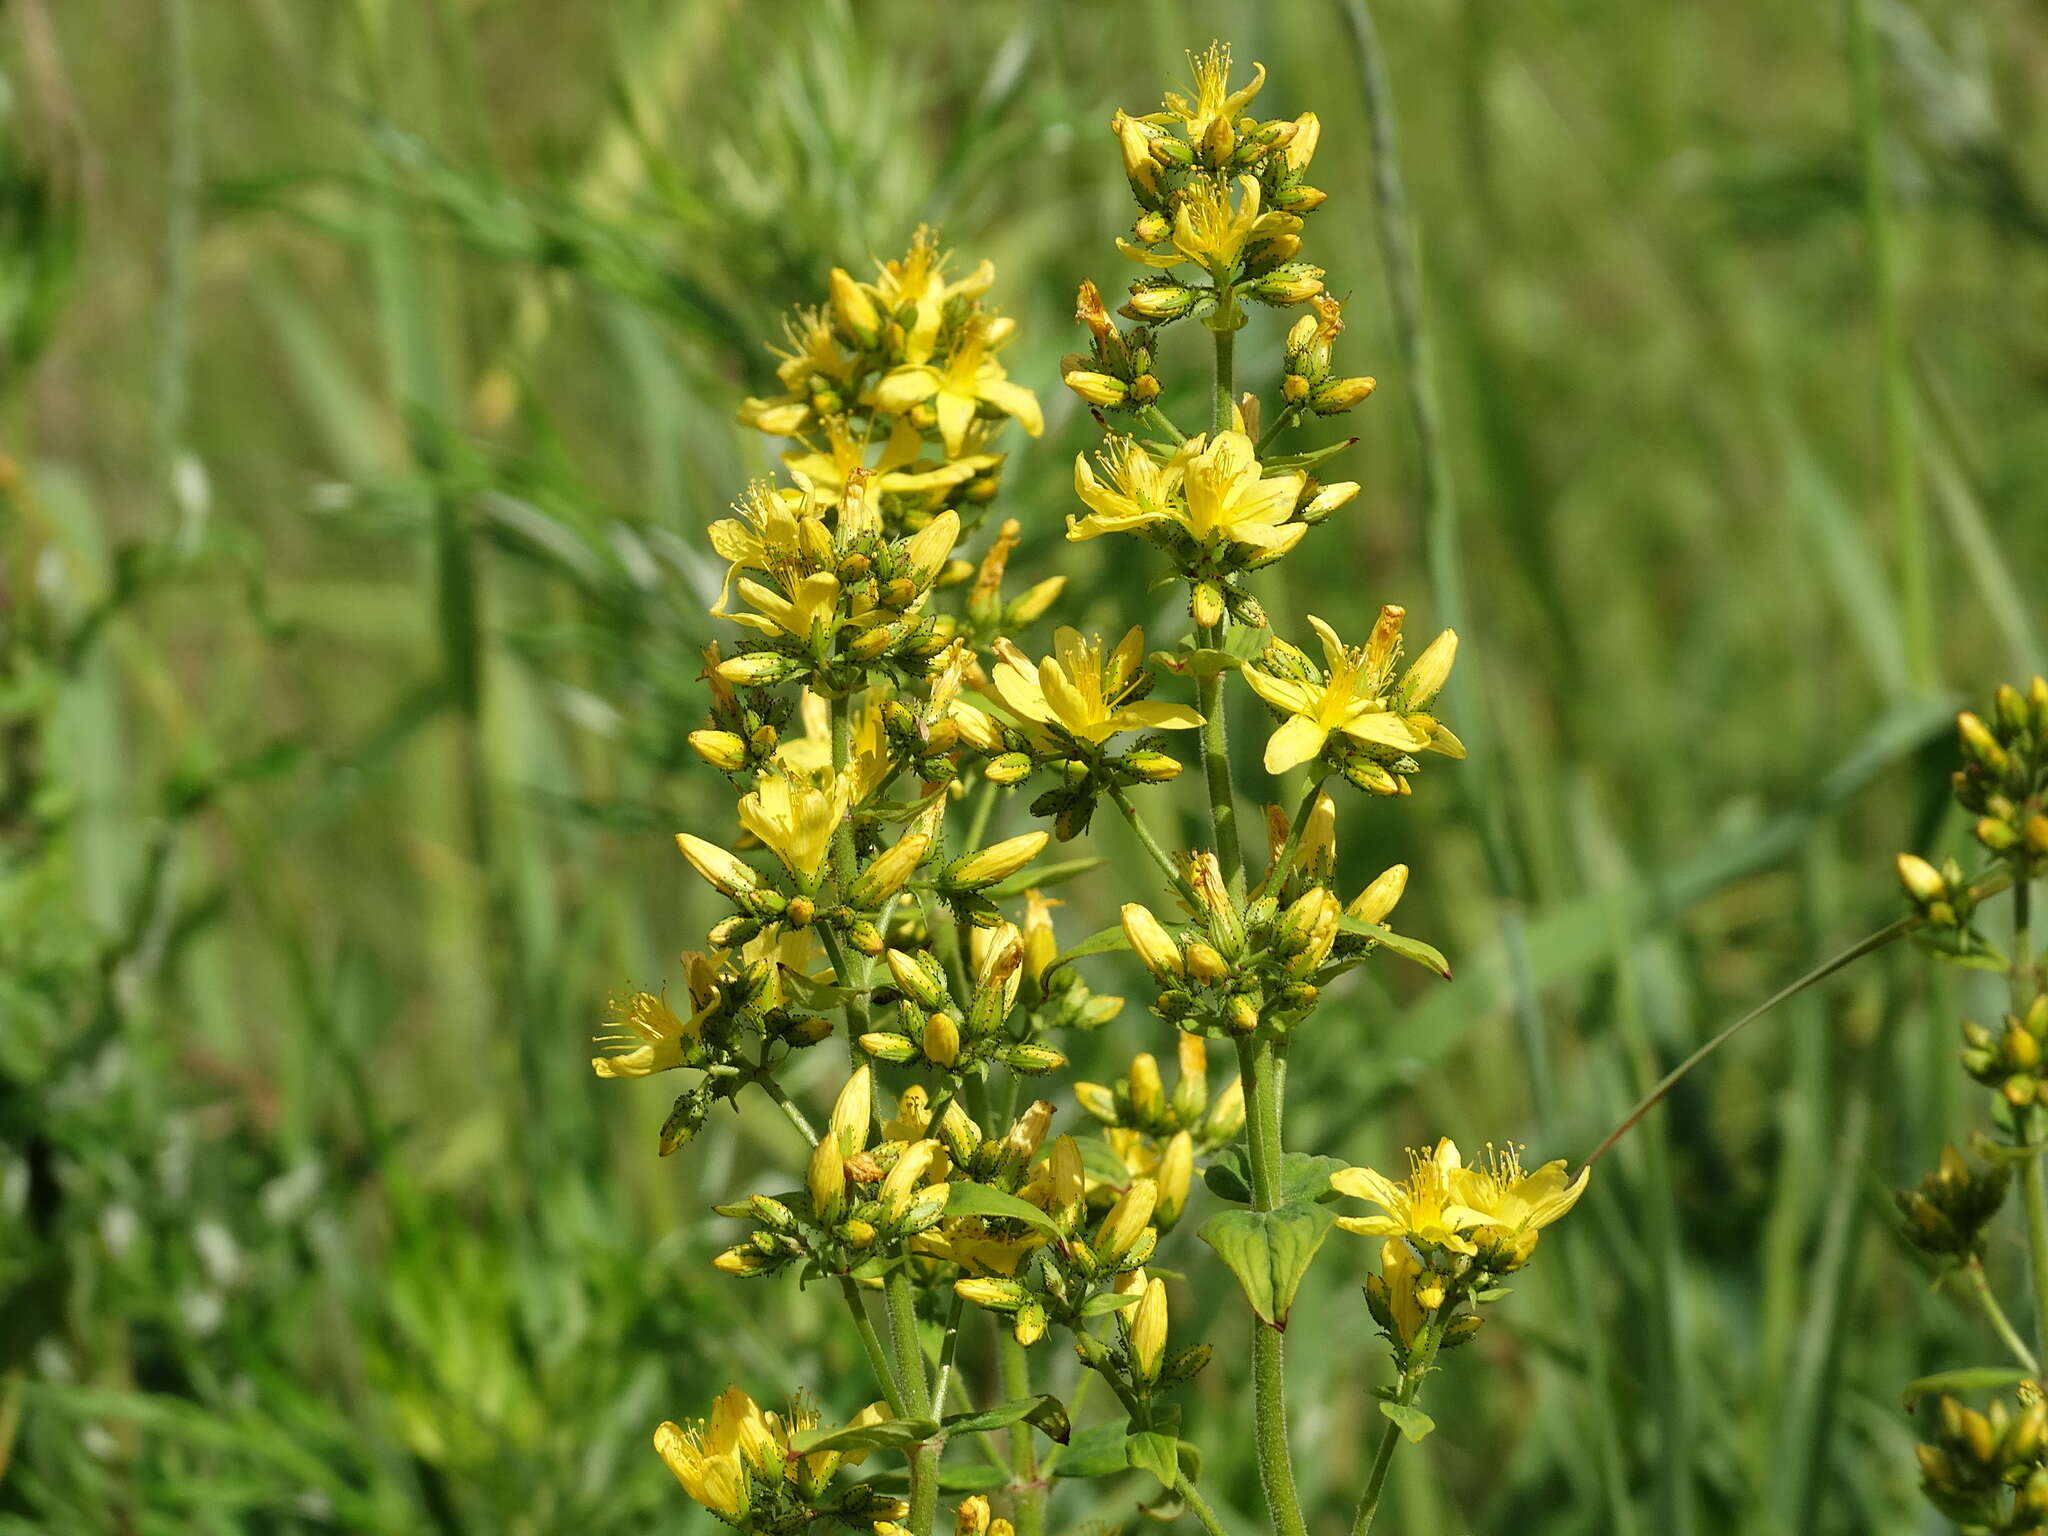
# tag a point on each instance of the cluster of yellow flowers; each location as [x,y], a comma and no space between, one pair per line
[871,717]
[1988,1471]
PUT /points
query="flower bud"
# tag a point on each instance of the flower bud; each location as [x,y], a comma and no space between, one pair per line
[1010,768]
[896,1050]
[1147,1331]
[1335,396]
[1226,1115]
[1377,901]
[1205,604]
[723,750]
[887,872]
[1176,1171]
[759,669]
[827,1180]
[1128,1218]
[996,862]
[1204,964]
[1030,1058]
[919,976]
[1294,282]
[1922,881]
[1150,941]
[901,1182]
[995,1294]
[1244,1014]
[1159,300]
[854,309]
[725,872]
[1030,1326]
[1150,767]
[1096,388]
[941,1040]
[1147,1091]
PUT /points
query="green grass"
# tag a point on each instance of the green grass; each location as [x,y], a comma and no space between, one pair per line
[366,375]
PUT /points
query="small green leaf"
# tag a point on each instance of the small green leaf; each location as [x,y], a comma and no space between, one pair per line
[1413,1422]
[1269,1251]
[1107,941]
[889,1435]
[1043,1412]
[1157,1454]
[965,1199]
[1974,1378]
[1109,1301]
[1425,955]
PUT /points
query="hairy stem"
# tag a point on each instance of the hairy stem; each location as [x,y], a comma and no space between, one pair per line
[1419,1362]
[1147,841]
[1028,1510]
[878,1359]
[1199,1508]
[917,1400]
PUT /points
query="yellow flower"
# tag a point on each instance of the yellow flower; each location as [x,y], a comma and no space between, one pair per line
[795,817]
[1216,107]
[1421,1206]
[1350,699]
[1212,231]
[827,470]
[919,279]
[647,1036]
[1402,1273]
[815,363]
[718,1462]
[1082,692]
[970,379]
[1497,1193]
[807,609]
[1213,489]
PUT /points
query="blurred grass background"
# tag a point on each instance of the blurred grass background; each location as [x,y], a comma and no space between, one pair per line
[366,375]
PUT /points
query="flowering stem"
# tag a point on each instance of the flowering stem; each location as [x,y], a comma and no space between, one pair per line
[1160,420]
[1147,841]
[1995,1315]
[878,1360]
[1028,1508]
[1283,862]
[917,1402]
[1411,1388]
[1257,1059]
[2033,1180]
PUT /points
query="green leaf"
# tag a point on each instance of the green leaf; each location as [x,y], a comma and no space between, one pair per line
[1413,1422]
[889,1435]
[1097,1451]
[1203,661]
[1041,877]
[1303,1177]
[1105,942]
[1425,955]
[1109,1301]
[1043,1412]
[965,1199]
[1157,1454]
[1973,1378]
[1269,1251]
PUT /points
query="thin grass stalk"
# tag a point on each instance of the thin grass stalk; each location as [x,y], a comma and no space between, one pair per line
[1902,474]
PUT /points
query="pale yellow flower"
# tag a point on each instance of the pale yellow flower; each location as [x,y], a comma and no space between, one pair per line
[919,279]
[795,817]
[648,1036]
[970,379]
[1351,699]
[827,470]
[1214,489]
[1402,1272]
[1215,103]
[1497,1193]
[1083,692]
[1212,230]
[1420,1207]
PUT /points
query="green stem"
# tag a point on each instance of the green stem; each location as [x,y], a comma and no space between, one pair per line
[1419,1362]
[1148,842]
[2000,1323]
[878,1362]
[1894,375]
[917,1400]
[2033,1180]
[1199,1508]
[1258,1061]
[1224,402]
[947,1350]
[878,1359]
[1283,862]
[1159,419]
[1028,1508]
[1216,766]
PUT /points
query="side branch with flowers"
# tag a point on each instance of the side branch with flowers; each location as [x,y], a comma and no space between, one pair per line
[873,716]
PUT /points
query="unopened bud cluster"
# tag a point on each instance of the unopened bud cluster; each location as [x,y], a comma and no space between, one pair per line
[1985,1471]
